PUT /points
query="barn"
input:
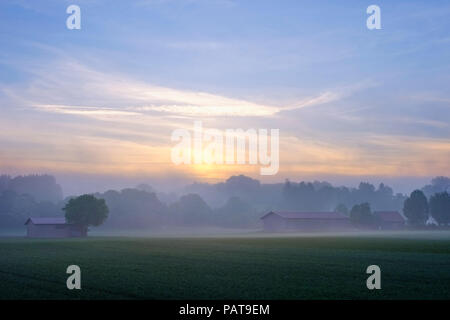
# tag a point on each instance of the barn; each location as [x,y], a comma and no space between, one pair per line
[389,220]
[53,228]
[282,221]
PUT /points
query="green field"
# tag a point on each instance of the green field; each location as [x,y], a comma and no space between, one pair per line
[231,267]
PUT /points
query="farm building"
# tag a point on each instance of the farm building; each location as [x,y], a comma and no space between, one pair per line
[53,228]
[389,220]
[282,221]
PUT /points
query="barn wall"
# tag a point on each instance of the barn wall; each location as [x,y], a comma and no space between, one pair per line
[76,231]
[392,225]
[318,224]
[274,223]
[47,231]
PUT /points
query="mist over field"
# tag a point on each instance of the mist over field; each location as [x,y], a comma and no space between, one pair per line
[233,206]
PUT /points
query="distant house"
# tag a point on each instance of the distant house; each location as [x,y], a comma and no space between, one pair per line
[282,221]
[389,220]
[53,228]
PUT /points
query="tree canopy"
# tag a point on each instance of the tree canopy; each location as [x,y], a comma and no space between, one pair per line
[440,208]
[415,208]
[191,209]
[86,210]
[361,215]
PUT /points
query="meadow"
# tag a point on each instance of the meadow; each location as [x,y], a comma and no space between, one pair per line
[229,267]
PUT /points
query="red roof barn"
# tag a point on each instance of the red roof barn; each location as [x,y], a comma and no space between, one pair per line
[389,220]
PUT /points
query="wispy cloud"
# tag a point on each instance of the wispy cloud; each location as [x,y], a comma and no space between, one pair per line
[86,111]
[72,84]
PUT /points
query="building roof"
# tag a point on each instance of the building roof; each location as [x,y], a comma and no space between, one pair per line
[389,216]
[308,215]
[46,220]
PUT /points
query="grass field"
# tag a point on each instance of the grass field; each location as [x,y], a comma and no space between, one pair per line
[231,267]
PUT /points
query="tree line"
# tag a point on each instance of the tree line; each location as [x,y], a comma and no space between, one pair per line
[417,209]
[22,197]
[238,202]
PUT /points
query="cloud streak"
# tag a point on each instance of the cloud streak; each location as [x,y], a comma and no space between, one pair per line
[106,94]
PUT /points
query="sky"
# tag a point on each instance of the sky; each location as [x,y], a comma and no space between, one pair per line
[96,107]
